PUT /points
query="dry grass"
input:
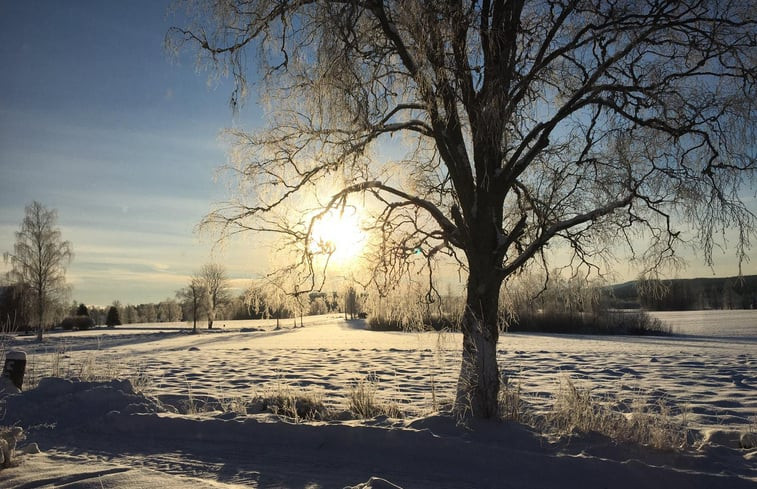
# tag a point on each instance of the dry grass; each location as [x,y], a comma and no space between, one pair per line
[748,439]
[144,382]
[299,405]
[363,401]
[576,410]
[235,404]
[88,367]
[511,404]
[191,405]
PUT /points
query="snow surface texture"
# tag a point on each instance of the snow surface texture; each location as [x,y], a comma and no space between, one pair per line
[107,435]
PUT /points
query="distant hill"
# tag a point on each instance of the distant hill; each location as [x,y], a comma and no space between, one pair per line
[688,294]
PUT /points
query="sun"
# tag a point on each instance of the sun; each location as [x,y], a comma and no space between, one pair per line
[338,233]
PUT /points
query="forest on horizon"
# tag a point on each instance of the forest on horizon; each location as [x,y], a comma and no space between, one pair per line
[687,294]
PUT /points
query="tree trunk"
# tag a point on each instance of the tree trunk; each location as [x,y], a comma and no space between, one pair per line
[194,314]
[478,384]
[40,314]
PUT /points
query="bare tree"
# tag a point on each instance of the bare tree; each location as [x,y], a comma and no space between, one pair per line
[592,124]
[351,303]
[279,300]
[194,296]
[39,260]
[216,284]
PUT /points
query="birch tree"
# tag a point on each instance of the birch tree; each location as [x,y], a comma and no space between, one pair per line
[587,124]
[39,260]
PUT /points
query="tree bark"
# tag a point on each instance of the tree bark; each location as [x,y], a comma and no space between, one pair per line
[478,384]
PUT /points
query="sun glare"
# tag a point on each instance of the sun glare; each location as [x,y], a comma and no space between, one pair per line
[339,233]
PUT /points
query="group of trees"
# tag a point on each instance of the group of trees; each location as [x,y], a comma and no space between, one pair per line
[168,310]
[206,294]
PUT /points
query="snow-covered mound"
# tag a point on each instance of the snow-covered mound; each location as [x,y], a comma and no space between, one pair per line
[64,404]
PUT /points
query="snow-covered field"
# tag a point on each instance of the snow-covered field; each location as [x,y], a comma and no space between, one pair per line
[104,435]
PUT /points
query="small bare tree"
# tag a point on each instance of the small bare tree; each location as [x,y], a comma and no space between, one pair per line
[584,123]
[216,285]
[350,303]
[195,297]
[39,260]
[280,299]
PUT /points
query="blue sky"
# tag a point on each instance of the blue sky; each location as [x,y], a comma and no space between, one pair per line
[98,122]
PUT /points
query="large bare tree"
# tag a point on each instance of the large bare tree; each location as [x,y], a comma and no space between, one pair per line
[39,260]
[591,123]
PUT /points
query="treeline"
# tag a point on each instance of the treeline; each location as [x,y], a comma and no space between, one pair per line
[574,305]
[254,303]
[688,294]
[235,308]
[533,303]
[166,311]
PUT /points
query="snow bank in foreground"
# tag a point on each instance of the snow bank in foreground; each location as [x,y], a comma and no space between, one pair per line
[79,424]
[65,404]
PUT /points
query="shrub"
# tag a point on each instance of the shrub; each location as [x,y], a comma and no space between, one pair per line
[599,322]
[77,322]
[641,323]
[380,323]
[318,306]
[408,323]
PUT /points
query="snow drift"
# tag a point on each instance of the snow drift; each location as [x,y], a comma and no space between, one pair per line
[107,435]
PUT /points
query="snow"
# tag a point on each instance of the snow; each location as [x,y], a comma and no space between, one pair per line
[110,434]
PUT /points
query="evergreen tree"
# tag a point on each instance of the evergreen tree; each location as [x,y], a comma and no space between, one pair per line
[112,319]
